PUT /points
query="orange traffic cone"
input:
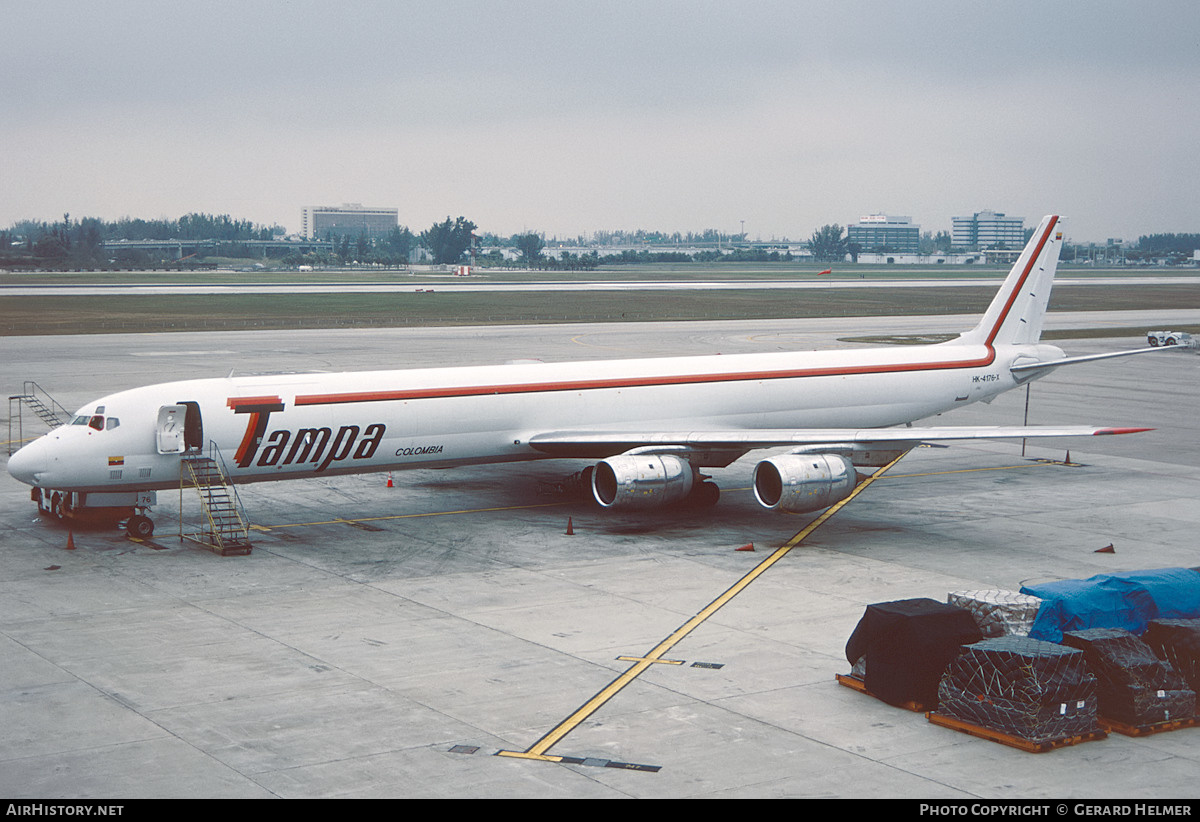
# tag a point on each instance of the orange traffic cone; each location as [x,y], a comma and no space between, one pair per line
[747,547]
[389,485]
[1107,549]
[570,529]
[70,540]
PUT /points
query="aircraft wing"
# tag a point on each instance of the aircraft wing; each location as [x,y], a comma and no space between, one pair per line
[735,442]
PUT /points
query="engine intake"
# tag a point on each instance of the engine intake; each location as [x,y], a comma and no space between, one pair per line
[799,483]
[641,480]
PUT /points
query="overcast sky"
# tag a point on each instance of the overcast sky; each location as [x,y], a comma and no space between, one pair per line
[569,118]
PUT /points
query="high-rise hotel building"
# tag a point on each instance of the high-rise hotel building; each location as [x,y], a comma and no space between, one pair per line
[353,219]
[988,229]
[878,233]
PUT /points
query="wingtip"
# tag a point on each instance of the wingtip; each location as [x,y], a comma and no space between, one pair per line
[1107,431]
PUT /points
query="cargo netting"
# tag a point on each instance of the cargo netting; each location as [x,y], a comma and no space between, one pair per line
[1034,690]
[1177,641]
[1133,686]
[998,613]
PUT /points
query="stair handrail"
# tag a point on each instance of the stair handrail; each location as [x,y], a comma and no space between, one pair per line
[29,388]
[214,454]
[205,509]
[20,438]
[30,391]
[215,458]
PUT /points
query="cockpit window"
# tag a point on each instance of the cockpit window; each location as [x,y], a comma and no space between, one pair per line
[97,422]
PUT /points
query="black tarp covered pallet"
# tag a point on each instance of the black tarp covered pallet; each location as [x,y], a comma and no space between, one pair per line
[907,645]
[856,684]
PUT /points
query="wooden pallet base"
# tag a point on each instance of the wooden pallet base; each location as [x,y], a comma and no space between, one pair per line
[1113,726]
[854,683]
[1012,741]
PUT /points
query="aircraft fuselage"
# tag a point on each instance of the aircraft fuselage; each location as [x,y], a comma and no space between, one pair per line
[294,426]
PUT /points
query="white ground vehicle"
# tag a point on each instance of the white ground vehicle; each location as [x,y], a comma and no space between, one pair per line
[1157,338]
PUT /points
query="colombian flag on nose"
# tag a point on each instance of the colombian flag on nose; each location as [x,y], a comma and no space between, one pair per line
[116,461]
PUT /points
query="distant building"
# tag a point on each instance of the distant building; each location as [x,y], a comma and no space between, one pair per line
[351,219]
[988,229]
[879,233]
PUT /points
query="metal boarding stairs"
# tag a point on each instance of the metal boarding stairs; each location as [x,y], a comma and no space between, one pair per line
[227,533]
[43,406]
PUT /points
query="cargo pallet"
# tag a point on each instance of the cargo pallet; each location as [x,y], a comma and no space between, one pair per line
[1113,726]
[1013,741]
[856,684]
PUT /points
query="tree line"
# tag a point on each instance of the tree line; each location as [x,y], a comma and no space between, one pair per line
[1175,247]
[81,244]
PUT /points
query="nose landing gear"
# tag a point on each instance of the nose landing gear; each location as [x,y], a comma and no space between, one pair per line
[130,508]
[140,526]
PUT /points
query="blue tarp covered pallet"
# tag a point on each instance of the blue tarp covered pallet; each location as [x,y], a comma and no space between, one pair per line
[1129,600]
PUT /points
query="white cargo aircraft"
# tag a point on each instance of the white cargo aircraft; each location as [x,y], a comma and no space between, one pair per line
[652,424]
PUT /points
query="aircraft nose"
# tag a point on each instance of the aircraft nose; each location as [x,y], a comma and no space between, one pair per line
[28,463]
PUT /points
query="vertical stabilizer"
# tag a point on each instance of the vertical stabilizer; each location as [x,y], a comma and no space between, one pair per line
[1018,309]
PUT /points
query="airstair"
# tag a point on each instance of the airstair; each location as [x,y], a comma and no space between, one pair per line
[226,532]
[40,404]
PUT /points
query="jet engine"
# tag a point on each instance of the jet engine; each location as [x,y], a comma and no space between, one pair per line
[642,480]
[798,483]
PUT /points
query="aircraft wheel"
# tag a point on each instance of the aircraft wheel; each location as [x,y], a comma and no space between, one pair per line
[56,506]
[704,495]
[140,526]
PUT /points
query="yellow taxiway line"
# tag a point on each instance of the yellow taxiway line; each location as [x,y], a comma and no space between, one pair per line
[1031,464]
[641,664]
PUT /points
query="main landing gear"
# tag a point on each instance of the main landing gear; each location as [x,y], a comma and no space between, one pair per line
[703,495]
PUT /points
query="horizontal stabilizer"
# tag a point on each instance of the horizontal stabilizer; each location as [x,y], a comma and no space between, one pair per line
[1043,366]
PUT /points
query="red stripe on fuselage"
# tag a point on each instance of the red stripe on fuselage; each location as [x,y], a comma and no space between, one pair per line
[628,382]
[684,379]
[239,402]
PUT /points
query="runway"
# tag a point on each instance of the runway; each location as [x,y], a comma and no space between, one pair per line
[423,283]
[390,642]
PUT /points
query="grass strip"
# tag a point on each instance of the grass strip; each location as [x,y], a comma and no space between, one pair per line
[118,313]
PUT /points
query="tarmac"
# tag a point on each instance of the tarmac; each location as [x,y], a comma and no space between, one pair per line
[472,632]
